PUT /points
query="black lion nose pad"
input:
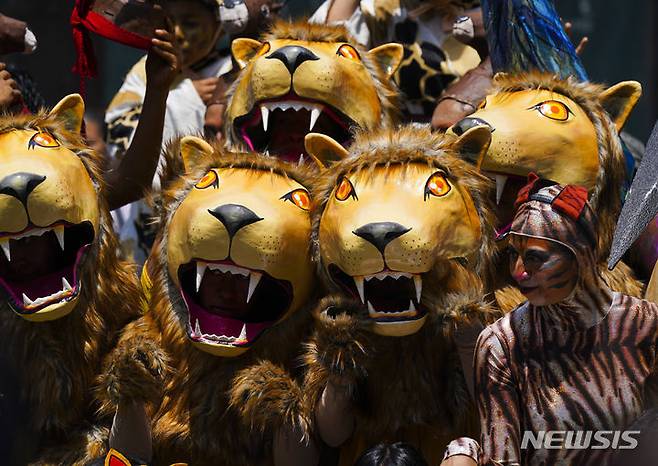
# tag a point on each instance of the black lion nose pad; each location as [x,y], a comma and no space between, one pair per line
[464,125]
[234,217]
[381,233]
[292,56]
[20,185]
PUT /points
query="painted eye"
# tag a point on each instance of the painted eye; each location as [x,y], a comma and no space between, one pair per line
[263,49]
[208,180]
[554,110]
[349,52]
[437,185]
[42,139]
[300,197]
[345,190]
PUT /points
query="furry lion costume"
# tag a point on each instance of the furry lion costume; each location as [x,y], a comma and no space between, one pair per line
[400,225]
[66,295]
[228,280]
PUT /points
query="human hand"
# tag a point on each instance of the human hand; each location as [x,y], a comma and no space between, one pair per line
[164,60]
[9,92]
[214,120]
[205,88]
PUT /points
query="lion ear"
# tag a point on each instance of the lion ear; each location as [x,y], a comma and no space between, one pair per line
[619,100]
[70,111]
[474,143]
[194,151]
[244,49]
[323,149]
[389,57]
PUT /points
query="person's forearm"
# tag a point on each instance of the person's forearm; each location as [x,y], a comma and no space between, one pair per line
[334,415]
[341,10]
[133,174]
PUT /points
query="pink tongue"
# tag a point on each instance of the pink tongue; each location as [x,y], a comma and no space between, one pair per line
[213,324]
[45,285]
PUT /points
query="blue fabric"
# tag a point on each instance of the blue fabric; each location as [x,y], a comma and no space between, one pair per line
[526,35]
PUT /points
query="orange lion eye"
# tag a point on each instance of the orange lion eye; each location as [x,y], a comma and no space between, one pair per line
[482,104]
[554,110]
[299,197]
[345,190]
[437,185]
[263,49]
[42,139]
[349,52]
[208,180]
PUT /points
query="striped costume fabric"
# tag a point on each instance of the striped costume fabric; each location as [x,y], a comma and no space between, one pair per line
[587,363]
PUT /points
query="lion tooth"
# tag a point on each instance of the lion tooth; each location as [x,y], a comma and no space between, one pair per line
[418,283]
[500,186]
[4,242]
[66,286]
[59,233]
[412,306]
[301,159]
[371,309]
[315,114]
[197,329]
[358,281]
[200,270]
[243,333]
[265,113]
[254,279]
[27,301]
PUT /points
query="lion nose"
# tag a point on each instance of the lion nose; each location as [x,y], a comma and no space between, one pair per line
[20,185]
[234,217]
[464,125]
[292,56]
[381,233]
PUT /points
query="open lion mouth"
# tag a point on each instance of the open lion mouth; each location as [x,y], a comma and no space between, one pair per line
[278,126]
[41,266]
[389,296]
[231,305]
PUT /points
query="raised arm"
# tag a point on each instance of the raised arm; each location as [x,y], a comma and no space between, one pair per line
[133,174]
[341,10]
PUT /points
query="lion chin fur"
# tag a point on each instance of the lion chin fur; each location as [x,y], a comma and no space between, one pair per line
[206,409]
[58,363]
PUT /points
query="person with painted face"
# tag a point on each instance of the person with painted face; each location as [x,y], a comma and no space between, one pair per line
[576,357]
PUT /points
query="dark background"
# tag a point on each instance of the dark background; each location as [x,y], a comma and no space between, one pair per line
[623,45]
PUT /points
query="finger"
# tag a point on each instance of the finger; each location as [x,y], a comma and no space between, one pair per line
[166,56]
[164,35]
[170,24]
[581,45]
[16,93]
[4,74]
[13,84]
[568,26]
[163,45]
[2,66]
